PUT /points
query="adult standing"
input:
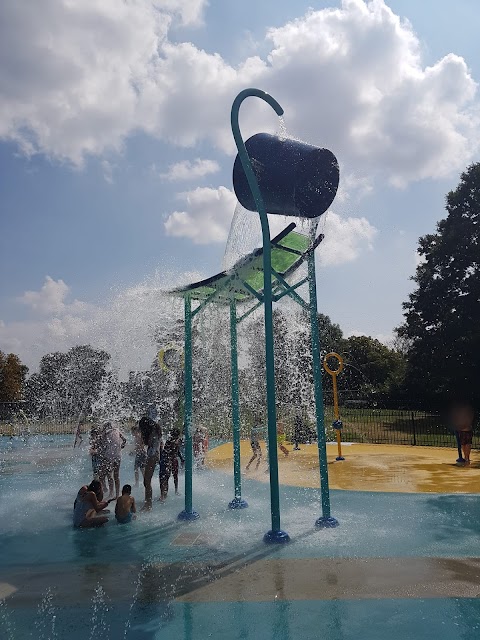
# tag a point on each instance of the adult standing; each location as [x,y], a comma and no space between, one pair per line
[95,451]
[114,443]
[152,439]
[462,416]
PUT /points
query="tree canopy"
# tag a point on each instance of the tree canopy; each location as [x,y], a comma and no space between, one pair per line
[68,384]
[12,377]
[441,325]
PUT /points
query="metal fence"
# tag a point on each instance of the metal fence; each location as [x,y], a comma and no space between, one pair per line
[375,426]
[396,426]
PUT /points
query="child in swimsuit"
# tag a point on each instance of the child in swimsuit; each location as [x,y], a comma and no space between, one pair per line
[172,452]
[255,435]
[140,454]
[87,509]
[281,438]
[125,508]
[163,473]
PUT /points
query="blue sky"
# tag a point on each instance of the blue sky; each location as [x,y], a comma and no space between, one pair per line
[100,103]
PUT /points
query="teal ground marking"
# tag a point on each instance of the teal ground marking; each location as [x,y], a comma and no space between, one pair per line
[435,619]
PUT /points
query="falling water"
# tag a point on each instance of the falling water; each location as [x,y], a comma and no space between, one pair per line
[46,618]
[6,625]
[138,585]
[282,128]
[100,628]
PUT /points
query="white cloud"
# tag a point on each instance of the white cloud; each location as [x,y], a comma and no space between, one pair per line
[187,170]
[344,239]
[79,76]
[124,324]
[207,216]
[51,298]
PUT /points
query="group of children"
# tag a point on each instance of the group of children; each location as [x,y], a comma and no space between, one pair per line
[106,442]
[90,509]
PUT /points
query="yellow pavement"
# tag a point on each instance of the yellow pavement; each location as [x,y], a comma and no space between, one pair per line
[367,467]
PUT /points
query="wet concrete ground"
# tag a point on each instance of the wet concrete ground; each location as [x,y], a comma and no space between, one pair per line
[367,467]
[400,565]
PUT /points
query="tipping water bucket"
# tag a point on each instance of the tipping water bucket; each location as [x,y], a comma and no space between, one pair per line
[295,179]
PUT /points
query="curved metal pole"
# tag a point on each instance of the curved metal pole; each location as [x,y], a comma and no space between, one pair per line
[275,534]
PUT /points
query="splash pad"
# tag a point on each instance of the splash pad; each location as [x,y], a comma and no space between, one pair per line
[387,572]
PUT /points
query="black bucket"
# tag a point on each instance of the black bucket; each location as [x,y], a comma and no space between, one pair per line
[295,179]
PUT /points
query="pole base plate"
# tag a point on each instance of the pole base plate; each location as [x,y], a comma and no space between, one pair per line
[326,523]
[238,503]
[276,537]
[187,516]
[339,458]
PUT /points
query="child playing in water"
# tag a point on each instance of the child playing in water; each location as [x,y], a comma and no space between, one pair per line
[172,452]
[281,438]
[200,446]
[87,507]
[140,453]
[125,508]
[255,435]
[164,465]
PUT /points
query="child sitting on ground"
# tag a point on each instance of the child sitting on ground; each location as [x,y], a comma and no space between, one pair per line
[125,508]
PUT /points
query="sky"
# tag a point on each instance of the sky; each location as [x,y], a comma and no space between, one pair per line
[116,152]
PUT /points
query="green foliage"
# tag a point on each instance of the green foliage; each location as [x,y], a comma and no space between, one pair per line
[12,377]
[441,327]
[67,384]
[371,367]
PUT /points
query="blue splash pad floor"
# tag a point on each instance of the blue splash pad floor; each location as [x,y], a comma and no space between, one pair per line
[133,581]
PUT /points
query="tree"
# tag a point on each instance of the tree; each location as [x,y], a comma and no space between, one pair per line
[371,367]
[331,335]
[441,325]
[68,384]
[12,377]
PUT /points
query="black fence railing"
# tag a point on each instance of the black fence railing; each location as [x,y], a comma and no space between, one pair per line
[395,426]
[374,426]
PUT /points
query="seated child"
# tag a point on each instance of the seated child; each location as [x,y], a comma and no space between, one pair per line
[87,507]
[125,508]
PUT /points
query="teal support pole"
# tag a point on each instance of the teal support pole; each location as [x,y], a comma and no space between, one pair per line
[275,534]
[326,520]
[237,502]
[188,513]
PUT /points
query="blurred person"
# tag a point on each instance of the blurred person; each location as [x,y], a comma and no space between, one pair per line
[152,440]
[281,438]
[461,417]
[139,453]
[172,454]
[115,441]
[95,451]
[200,445]
[256,434]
